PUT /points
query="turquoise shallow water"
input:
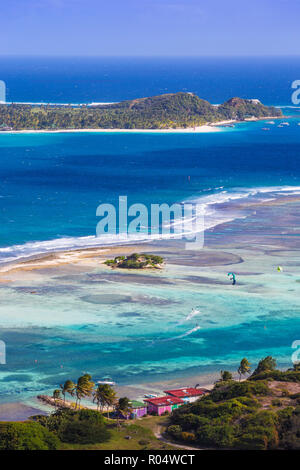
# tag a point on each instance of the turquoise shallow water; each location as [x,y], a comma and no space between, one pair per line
[141,327]
[137,329]
[141,330]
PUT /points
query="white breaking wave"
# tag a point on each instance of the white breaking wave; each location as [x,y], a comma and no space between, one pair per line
[209,205]
[43,103]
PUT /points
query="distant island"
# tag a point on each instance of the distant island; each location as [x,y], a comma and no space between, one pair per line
[136,261]
[168,111]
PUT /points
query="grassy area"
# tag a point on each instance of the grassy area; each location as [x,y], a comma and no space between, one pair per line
[134,435]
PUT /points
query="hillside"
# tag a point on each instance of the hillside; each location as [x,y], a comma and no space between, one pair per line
[177,110]
[260,413]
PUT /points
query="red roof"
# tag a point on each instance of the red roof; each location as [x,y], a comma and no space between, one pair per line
[164,401]
[186,392]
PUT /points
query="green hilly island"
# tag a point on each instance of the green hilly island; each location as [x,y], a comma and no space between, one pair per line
[176,110]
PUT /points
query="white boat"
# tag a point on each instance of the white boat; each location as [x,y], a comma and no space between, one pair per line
[106,381]
[270,122]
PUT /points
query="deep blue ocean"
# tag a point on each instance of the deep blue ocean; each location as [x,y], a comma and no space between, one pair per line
[51,185]
[85,80]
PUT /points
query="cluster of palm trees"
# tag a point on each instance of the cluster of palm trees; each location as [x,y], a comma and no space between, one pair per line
[82,388]
[103,395]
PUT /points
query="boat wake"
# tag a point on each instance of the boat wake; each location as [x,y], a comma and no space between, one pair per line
[183,335]
[191,315]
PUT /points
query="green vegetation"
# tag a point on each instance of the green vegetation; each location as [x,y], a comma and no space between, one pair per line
[83,429]
[27,436]
[262,412]
[74,427]
[244,367]
[123,408]
[128,436]
[104,396]
[136,261]
[265,365]
[67,387]
[80,427]
[258,413]
[177,110]
[225,375]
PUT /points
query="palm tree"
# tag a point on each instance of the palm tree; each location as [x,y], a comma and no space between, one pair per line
[104,396]
[67,387]
[111,398]
[83,388]
[123,408]
[56,396]
[244,367]
[99,396]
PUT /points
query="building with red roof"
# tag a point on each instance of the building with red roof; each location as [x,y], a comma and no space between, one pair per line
[188,394]
[160,405]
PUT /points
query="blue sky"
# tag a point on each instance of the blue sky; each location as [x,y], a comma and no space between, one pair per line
[150,27]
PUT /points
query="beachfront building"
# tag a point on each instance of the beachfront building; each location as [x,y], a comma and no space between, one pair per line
[139,409]
[187,395]
[160,405]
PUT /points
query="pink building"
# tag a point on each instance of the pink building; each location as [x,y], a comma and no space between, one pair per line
[188,394]
[160,405]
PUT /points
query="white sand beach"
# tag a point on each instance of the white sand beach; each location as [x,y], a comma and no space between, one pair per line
[198,129]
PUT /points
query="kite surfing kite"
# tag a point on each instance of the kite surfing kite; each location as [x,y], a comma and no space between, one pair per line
[232,278]
[279,269]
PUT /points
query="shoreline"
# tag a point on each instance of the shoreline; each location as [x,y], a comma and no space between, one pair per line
[95,255]
[198,129]
[208,127]
[44,403]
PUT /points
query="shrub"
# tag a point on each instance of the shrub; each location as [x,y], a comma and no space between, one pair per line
[222,435]
[261,424]
[266,364]
[144,442]
[174,431]
[289,432]
[226,375]
[90,415]
[251,403]
[81,427]
[188,436]
[251,442]
[109,262]
[84,432]
[239,389]
[287,376]
[26,436]
[276,402]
